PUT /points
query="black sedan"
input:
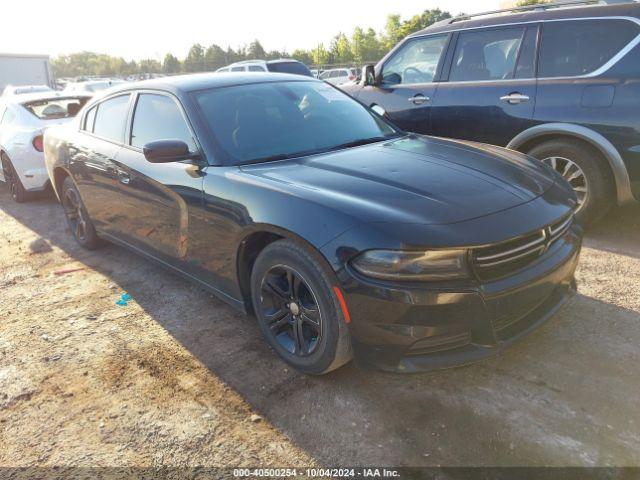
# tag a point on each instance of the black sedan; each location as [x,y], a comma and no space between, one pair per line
[344,235]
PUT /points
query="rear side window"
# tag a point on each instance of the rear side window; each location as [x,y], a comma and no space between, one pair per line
[110,118]
[90,119]
[157,117]
[256,68]
[237,69]
[580,47]
[486,55]
[8,117]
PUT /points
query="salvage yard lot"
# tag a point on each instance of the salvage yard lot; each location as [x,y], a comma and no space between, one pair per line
[178,378]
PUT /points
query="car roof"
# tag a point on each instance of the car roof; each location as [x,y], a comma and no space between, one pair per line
[202,81]
[593,11]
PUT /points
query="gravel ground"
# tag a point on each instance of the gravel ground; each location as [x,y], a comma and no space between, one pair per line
[177,378]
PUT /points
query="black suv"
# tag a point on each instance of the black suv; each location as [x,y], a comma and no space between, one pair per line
[560,82]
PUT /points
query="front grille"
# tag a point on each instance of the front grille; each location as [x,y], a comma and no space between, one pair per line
[500,260]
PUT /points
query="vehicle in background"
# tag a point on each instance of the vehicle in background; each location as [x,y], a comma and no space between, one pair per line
[561,84]
[91,86]
[20,90]
[18,70]
[315,72]
[275,66]
[23,119]
[339,76]
[287,198]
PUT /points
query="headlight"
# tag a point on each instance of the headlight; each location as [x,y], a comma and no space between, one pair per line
[417,266]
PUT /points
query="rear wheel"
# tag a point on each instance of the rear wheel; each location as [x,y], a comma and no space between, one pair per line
[298,312]
[586,171]
[78,219]
[17,190]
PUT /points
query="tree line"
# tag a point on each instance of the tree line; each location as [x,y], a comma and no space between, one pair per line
[362,46]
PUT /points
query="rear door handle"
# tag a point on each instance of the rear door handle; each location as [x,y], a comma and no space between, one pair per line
[123,177]
[419,99]
[515,98]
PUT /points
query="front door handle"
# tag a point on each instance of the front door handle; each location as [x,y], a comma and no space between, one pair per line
[123,177]
[515,98]
[419,99]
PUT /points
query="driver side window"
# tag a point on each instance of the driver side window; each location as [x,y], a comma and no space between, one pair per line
[415,62]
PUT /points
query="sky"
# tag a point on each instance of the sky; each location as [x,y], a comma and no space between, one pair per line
[137,29]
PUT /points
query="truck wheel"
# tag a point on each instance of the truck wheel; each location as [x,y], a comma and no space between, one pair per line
[18,193]
[586,171]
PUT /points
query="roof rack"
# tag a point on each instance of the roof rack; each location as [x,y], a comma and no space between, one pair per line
[537,7]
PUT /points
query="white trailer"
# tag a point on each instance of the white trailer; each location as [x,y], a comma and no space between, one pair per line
[16,69]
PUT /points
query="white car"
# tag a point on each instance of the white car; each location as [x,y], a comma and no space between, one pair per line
[283,65]
[91,86]
[23,119]
[22,89]
[338,76]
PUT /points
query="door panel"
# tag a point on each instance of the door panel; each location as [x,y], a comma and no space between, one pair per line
[407,84]
[486,98]
[92,166]
[156,201]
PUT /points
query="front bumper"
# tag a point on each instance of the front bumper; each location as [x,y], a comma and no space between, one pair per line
[417,328]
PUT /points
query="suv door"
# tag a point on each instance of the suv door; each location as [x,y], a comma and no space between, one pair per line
[407,84]
[490,89]
[156,197]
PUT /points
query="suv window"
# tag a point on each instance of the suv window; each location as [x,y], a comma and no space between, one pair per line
[486,55]
[157,117]
[580,47]
[110,118]
[527,56]
[237,69]
[256,68]
[415,62]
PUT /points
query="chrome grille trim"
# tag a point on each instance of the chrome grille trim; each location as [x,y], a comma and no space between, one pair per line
[495,263]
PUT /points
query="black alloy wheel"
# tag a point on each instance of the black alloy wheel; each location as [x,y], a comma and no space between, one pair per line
[78,219]
[291,311]
[301,318]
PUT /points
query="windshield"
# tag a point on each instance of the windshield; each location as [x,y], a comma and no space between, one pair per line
[269,121]
[55,108]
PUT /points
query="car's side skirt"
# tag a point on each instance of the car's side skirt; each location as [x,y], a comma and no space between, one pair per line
[234,302]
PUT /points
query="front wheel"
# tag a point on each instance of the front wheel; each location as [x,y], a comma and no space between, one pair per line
[78,219]
[299,315]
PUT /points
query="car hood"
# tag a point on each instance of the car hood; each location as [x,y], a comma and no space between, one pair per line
[413,179]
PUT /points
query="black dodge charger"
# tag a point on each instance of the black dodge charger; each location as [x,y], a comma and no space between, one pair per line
[344,235]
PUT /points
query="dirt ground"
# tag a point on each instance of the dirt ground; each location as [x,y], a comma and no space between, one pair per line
[177,378]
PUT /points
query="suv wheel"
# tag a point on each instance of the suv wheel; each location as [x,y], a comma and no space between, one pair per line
[77,217]
[17,190]
[298,312]
[585,170]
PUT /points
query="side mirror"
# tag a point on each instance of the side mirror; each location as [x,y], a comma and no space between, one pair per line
[369,75]
[165,151]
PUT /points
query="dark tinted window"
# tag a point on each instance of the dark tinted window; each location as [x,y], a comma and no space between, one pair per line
[90,119]
[157,117]
[486,55]
[110,118]
[527,56]
[258,122]
[256,68]
[296,68]
[582,46]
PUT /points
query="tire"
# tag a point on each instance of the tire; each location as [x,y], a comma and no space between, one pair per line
[17,190]
[599,185]
[78,219]
[325,341]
